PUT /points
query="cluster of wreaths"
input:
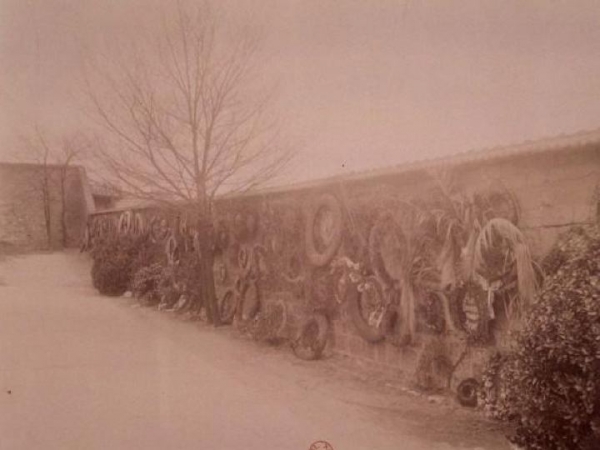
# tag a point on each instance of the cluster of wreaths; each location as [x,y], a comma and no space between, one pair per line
[128,223]
[279,254]
[244,225]
[178,240]
[233,246]
[475,243]
[242,304]
[276,254]
[322,237]
[131,224]
[98,227]
[282,241]
[246,290]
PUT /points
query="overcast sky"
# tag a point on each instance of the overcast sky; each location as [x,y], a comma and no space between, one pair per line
[363,83]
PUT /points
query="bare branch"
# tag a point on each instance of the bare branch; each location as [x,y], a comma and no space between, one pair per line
[187,117]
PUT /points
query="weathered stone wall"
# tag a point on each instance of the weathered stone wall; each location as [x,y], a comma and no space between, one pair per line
[554,189]
[22,217]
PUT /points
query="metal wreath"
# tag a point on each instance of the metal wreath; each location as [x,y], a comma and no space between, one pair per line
[319,231]
[172,250]
[124,226]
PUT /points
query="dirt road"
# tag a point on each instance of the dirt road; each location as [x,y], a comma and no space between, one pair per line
[81,371]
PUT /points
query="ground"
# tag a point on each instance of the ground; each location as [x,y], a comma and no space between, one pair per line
[82,371]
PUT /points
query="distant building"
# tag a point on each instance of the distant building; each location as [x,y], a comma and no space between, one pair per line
[43,207]
[105,197]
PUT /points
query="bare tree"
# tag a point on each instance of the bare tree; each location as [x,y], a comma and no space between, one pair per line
[72,147]
[47,178]
[187,119]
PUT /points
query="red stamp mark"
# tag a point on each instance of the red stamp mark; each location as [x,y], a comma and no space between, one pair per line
[320,445]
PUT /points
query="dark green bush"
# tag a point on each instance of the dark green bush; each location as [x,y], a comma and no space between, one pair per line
[167,284]
[550,385]
[146,283]
[169,290]
[114,261]
[147,253]
[188,278]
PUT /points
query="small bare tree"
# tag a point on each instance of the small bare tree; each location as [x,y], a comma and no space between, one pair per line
[71,149]
[187,119]
[51,162]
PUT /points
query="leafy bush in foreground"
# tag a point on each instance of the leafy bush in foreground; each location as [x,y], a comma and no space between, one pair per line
[550,385]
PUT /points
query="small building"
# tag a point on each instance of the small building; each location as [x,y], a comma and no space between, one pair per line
[105,197]
[43,206]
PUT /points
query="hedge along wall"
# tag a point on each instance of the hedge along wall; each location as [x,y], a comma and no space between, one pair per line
[264,239]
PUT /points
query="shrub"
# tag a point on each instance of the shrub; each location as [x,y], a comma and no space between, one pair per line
[113,265]
[147,253]
[146,282]
[550,384]
[188,277]
[169,283]
[169,290]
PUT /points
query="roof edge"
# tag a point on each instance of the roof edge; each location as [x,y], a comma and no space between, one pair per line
[529,147]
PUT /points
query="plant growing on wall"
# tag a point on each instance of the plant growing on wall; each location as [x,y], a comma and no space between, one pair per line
[460,248]
[482,251]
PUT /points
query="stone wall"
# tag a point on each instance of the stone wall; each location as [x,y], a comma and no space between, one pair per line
[554,189]
[22,206]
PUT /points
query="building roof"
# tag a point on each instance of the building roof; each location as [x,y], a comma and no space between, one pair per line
[32,165]
[102,190]
[558,143]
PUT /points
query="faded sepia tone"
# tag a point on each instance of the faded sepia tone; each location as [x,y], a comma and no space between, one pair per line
[364,84]
[296,224]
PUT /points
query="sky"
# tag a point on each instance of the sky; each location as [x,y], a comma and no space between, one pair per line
[362,84]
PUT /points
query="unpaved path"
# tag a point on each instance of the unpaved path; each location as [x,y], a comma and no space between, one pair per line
[81,371]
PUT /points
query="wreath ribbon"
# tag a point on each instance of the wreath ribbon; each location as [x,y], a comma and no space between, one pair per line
[490,288]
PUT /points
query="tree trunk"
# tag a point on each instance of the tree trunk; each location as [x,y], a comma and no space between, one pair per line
[63,212]
[207,282]
[47,207]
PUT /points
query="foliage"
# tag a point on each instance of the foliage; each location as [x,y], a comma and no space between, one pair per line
[481,247]
[550,385]
[187,277]
[113,263]
[146,281]
[282,232]
[148,253]
[169,290]
[496,395]
[443,241]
